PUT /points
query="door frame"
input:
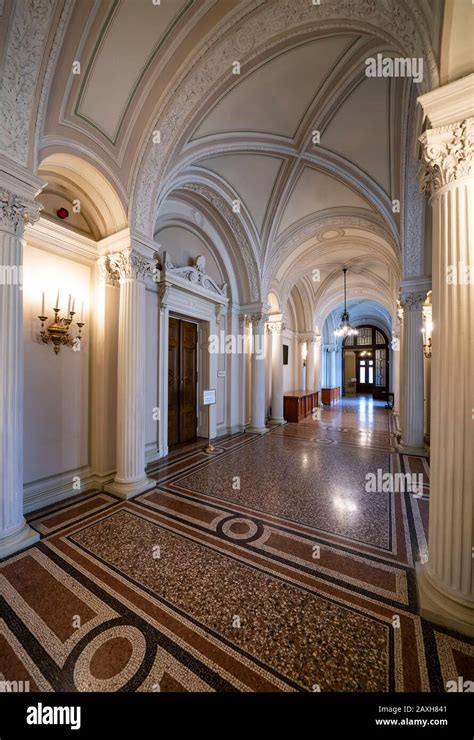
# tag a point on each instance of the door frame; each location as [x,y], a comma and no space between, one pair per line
[183,304]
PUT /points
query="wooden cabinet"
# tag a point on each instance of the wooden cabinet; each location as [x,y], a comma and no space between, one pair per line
[298,404]
[330,395]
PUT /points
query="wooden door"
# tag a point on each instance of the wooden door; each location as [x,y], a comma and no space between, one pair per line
[188,370]
[173,382]
[182,377]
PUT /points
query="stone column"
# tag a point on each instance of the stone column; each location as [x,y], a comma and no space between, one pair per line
[317,363]
[446,580]
[130,269]
[412,426]
[15,533]
[257,421]
[310,364]
[275,329]
[396,358]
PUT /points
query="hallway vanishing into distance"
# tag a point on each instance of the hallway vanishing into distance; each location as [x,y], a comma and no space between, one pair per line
[267,567]
[236,363]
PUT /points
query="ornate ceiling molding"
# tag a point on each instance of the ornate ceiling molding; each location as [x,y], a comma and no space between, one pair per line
[225,211]
[392,20]
[28,33]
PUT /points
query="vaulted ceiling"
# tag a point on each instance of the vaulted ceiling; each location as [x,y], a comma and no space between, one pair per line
[312,150]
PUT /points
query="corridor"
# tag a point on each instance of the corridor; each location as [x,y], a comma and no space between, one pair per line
[265,567]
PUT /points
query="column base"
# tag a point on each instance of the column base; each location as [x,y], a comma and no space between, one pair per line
[258,430]
[18,541]
[439,607]
[130,490]
[277,422]
[403,449]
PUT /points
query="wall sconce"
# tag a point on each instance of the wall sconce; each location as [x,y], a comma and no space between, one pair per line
[58,333]
[426,345]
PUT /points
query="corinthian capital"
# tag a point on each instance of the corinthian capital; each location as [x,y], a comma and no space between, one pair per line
[412,301]
[127,264]
[16,211]
[448,155]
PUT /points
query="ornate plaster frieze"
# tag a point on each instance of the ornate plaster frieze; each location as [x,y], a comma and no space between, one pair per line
[448,155]
[16,211]
[196,274]
[414,221]
[127,264]
[257,32]
[28,33]
[234,224]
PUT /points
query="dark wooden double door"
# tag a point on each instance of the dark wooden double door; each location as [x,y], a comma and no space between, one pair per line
[182,381]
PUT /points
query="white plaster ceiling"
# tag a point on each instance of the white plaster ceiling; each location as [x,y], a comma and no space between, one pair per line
[128,41]
[275,97]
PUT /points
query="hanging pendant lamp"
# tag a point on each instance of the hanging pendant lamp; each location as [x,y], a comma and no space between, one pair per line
[345,329]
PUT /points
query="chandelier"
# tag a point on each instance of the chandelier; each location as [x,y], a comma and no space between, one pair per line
[345,329]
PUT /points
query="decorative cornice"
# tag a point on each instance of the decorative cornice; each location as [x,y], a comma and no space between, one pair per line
[195,273]
[16,211]
[448,155]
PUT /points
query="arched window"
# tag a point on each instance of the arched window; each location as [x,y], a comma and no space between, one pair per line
[366,364]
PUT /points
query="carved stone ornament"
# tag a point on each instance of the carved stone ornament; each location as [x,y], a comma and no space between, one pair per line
[234,224]
[16,211]
[448,155]
[121,265]
[276,327]
[195,273]
[412,301]
[257,319]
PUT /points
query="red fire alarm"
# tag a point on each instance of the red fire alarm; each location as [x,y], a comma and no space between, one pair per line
[62,213]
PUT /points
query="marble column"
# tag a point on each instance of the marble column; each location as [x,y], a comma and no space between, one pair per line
[130,269]
[15,533]
[446,580]
[257,420]
[412,426]
[396,369]
[275,329]
[317,363]
[310,364]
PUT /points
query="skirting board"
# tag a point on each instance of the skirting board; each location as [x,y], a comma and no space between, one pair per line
[51,490]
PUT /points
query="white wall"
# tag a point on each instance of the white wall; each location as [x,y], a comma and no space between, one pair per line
[56,387]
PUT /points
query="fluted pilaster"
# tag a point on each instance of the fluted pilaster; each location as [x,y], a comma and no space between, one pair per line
[446,581]
[412,360]
[257,420]
[275,329]
[15,533]
[129,268]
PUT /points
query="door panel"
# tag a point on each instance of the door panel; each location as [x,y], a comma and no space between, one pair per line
[188,369]
[182,376]
[173,382]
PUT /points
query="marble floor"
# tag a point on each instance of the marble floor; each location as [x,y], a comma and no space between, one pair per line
[268,566]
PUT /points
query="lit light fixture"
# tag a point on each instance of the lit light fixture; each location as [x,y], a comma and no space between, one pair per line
[345,329]
[58,332]
[426,345]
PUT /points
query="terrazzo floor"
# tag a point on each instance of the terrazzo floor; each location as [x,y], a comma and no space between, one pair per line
[266,567]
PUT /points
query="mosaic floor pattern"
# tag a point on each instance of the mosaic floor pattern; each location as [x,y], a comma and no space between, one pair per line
[267,567]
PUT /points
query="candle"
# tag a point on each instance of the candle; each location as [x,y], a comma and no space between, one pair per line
[69,305]
[42,304]
[57,301]
[73,303]
[82,311]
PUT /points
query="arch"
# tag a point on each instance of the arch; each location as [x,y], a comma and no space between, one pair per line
[100,202]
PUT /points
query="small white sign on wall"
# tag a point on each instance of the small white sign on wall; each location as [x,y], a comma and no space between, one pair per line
[209,397]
